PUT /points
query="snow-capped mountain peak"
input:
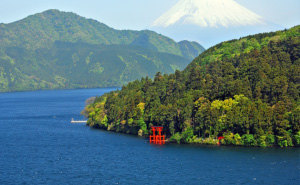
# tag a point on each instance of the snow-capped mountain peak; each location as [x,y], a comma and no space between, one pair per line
[208,13]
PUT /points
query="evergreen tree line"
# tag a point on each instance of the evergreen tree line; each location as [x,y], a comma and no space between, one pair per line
[251,99]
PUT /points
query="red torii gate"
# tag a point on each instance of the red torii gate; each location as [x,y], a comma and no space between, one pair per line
[219,139]
[157,139]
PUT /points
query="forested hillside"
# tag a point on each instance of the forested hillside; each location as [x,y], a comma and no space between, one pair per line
[46,51]
[81,65]
[246,90]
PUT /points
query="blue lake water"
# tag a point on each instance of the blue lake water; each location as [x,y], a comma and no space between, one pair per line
[39,145]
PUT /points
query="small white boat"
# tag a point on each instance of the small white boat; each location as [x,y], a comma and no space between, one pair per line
[79,121]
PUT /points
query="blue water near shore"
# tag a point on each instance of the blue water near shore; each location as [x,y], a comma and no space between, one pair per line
[39,145]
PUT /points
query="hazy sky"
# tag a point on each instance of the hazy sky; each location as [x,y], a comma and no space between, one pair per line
[139,14]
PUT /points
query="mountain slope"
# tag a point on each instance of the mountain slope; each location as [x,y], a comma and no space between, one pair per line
[81,65]
[56,49]
[236,47]
[246,90]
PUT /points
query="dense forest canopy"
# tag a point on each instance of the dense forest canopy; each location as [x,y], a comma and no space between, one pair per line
[246,90]
[55,49]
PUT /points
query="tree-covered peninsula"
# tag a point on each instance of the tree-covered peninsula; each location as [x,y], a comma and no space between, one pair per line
[246,90]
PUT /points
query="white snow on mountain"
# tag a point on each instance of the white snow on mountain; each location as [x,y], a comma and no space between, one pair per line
[210,22]
[208,13]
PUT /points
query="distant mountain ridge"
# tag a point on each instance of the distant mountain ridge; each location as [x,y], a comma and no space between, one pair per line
[55,49]
[44,28]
